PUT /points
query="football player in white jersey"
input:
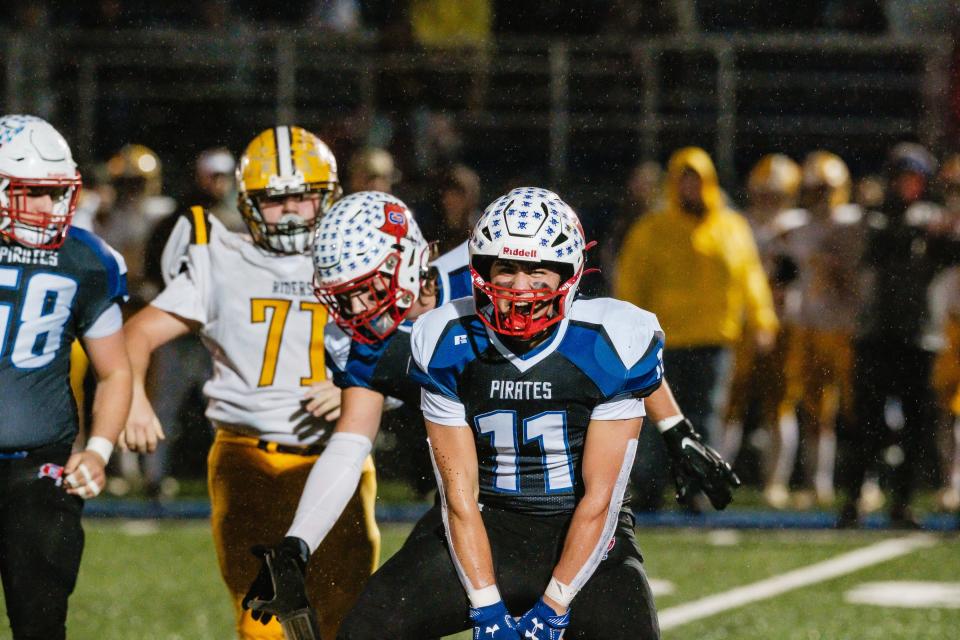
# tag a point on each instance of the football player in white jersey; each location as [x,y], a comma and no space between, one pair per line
[373,275]
[251,300]
[827,299]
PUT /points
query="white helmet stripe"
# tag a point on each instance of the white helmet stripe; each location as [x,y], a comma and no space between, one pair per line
[284,159]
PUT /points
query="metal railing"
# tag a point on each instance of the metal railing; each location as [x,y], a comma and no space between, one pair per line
[583,105]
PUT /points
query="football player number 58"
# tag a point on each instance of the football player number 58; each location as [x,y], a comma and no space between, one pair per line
[275,310]
[38,332]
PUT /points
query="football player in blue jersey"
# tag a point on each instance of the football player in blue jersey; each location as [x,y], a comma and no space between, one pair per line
[374,276]
[533,401]
[57,283]
[363,301]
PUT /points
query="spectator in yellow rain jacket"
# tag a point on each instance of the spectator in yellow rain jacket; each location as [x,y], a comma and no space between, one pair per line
[695,264]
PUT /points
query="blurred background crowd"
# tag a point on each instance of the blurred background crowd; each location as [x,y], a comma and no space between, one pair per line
[755,193]
[420,20]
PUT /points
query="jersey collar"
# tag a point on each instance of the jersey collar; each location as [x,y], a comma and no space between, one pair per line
[536,355]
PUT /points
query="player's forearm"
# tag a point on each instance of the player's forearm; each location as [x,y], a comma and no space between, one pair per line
[583,538]
[661,404]
[111,404]
[140,348]
[147,330]
[468,537]
[595,518]
[455,459]
[361,411]
[329,488]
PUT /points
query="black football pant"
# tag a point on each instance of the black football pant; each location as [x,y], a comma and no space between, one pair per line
[418,595]
[41,542]
[884,369]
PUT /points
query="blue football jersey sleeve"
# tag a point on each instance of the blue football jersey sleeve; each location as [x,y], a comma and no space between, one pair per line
[442,344]
[361,364]
[107,281]
[619,346]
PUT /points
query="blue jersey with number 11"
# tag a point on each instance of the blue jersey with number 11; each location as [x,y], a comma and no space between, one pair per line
[530,412]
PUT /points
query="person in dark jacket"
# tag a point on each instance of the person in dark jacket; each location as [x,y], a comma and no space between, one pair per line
[904,251]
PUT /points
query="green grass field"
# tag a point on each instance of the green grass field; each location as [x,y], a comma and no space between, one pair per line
[160,581]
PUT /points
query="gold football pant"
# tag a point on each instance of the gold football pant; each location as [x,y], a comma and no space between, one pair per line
[820,381]
[820,374]
[758,378]
[254,495]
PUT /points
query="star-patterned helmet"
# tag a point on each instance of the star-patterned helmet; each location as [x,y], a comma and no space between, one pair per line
[35,163]
[369,261]
[529,224]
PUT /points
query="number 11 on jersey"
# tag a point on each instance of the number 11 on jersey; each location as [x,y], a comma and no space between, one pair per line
[547,429]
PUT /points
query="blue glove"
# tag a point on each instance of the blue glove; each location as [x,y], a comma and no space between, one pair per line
[493,622]
[543,623]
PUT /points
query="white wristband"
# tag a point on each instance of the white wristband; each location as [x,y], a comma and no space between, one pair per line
[560,593]
[483,597]
[101,446]
[667,423]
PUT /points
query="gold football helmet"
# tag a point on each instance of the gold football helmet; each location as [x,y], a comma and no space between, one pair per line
[138,168]
[773,184]
[826,174]
[279,163]
[777,174]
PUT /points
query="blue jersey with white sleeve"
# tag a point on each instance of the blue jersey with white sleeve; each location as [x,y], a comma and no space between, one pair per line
[530,411]
[47,299]
[384,366]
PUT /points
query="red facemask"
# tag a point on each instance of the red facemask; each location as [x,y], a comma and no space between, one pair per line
[51,228]
[377,321]
[521,320]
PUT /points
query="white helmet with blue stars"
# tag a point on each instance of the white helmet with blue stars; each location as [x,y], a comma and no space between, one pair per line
[528,224]
[368,246]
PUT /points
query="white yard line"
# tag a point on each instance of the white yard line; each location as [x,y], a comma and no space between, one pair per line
[796,579]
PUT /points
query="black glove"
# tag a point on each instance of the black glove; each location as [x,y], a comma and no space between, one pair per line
[279,587]
[698,467]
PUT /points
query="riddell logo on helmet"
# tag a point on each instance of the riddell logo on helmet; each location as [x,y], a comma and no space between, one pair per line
[520,253]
